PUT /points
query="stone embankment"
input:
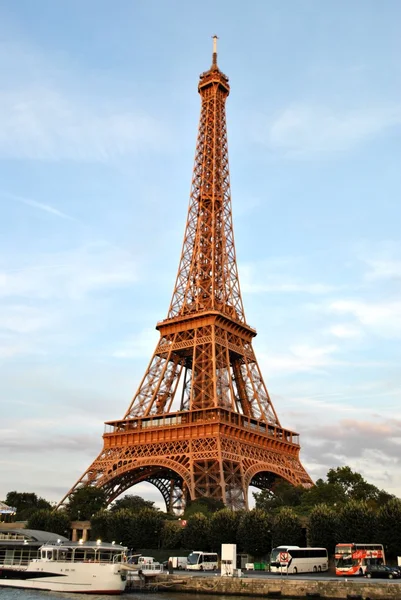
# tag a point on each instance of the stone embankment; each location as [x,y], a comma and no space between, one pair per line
[339,589]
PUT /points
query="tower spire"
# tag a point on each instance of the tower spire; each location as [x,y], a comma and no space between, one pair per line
[214,59]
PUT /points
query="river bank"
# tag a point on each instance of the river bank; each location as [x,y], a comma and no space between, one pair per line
[341,589]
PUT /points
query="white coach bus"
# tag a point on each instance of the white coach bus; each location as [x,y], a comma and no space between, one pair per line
[293,559]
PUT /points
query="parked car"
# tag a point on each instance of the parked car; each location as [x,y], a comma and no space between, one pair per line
[384,571]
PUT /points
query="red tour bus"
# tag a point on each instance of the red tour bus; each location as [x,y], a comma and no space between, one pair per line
[352,559]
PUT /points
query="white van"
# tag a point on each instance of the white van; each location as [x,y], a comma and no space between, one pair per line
[178,562]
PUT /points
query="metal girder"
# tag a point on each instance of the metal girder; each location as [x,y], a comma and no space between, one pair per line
[201,422]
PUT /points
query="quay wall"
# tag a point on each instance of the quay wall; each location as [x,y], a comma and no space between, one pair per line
[341,589]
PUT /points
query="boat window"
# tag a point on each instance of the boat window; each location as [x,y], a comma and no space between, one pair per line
[105,556]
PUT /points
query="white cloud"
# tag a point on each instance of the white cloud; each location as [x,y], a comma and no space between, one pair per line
[23,319]
[70,274]
[270,276]
[142,346]
[302,131]
[384,318]
[286,287]
[39,205]
[301,358]
[41,123]
[345,331]
[383,269]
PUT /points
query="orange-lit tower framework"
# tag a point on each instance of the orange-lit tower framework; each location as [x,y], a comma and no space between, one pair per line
[201,422]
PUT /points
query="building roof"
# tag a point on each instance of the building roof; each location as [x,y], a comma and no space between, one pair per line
[35,535]
[6,510]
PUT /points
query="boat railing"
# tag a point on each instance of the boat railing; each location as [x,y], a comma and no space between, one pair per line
[16,562]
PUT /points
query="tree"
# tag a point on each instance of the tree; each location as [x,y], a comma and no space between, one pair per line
[134,503]
[204,505]
[353,484]
[51,521]
[26,503]
[149,527]
[101,526]
[223,528]
[287,528]
[282,493]
[356,523]
[388,530]
[134,530]
[172,534]
[254,534]
[196,532]
[323,492]
[85,502]
[322,526]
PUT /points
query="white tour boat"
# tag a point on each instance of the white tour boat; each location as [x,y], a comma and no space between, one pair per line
[64,566]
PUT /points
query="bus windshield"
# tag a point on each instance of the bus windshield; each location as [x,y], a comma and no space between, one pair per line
[193,558]
[275,553]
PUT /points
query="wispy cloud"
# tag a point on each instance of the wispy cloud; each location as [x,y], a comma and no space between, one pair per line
[56,300]
[300,359]
[384,318]
[71,274]
[141,346]
[343,330]
[39,205]
[275,275]
[43,123]
[303,131]
[383,269]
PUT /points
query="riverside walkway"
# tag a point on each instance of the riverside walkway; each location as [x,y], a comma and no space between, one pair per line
[269,587]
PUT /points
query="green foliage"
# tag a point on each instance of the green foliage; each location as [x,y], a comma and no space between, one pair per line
[255,533]
[135,530]
[197,532]
[134,503]
[86,502]
[281,494]
[389,527]
[150,524]
[204,505]
[101,527]
[355,487]
[356,522]
[287,528]
[172,534]
[51,521]
[26,504]
[323,492]
[322,527]
[223,528]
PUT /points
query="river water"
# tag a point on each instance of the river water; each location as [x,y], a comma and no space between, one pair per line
[11,594]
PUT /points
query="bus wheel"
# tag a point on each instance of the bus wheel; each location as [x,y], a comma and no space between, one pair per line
[360,572]
[295,570]
[201,568]
[319,569]
[315,569]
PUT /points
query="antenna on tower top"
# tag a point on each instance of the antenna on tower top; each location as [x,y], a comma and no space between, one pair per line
[215,38]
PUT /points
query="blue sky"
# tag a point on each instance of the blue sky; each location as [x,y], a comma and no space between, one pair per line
[98,122]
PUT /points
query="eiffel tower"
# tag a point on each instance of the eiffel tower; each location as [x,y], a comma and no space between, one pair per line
[201,423]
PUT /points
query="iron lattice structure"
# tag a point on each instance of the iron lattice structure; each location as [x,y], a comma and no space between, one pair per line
[201,422]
